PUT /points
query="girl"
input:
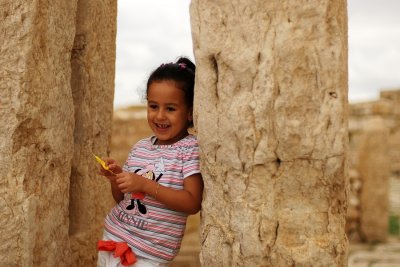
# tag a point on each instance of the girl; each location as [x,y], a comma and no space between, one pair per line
[160,183]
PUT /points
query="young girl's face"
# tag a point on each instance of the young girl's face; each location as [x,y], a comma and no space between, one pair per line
[168,114]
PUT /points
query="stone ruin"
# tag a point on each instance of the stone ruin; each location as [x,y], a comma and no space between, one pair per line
[374,152]
[270,110]
[374,167]
[271,115]
[56,104]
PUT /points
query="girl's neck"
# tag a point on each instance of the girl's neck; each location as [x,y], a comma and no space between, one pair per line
[171,141]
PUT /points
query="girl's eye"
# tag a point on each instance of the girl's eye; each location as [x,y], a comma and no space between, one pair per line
[152,106]
[170,109]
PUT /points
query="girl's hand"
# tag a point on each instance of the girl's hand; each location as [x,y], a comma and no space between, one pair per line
[113,167]
[130,182]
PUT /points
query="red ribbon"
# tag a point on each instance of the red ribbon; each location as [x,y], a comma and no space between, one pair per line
[121,250]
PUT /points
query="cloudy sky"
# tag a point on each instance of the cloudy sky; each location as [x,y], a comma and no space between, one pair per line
[154,31]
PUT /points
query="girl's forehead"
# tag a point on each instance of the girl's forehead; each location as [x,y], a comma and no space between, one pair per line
[171,83]
[165,90]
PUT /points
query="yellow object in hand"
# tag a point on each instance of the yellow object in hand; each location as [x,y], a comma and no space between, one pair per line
[102,163]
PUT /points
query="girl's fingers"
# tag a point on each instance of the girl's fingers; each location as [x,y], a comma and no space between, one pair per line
[122,187]
[119,179]
[111,163]
[120,175]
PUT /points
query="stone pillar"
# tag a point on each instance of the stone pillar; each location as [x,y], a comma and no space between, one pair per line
[271,115]
[42,132]
[373,167]
[92,83]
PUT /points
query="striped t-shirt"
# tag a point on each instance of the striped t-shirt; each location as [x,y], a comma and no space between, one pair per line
[151,229]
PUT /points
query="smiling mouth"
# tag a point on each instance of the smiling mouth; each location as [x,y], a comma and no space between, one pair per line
[162,126]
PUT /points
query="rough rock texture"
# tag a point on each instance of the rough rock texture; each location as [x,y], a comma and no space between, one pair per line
[92,82]
[373,166]
[50,198]
[374,130]
[271,115]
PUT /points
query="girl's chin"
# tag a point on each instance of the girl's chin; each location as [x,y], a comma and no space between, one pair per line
[164,137]
[161,134]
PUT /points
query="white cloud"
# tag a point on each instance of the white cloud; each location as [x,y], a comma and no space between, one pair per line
[148,33]
[374,47]
[154,31]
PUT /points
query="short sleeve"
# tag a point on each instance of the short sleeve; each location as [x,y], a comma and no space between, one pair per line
[131,155]
[190,159]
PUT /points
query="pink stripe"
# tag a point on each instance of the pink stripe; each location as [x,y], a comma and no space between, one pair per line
[160,234]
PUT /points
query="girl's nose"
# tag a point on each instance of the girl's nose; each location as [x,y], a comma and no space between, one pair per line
[160,114]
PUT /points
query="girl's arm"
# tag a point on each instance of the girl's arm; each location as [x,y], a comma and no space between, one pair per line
[116,192]
[187,200]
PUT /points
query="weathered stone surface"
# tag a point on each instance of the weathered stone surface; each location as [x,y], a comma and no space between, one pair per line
[47,215]
[37,131]
[271,115]
[374,172]
[375,164]
[92,82]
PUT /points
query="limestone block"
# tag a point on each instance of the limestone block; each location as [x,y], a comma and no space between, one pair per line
[363,117]
[92,82]
[56,94]
[37,131]
[382,108]
[271,115]
[374,171]
[394,97]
